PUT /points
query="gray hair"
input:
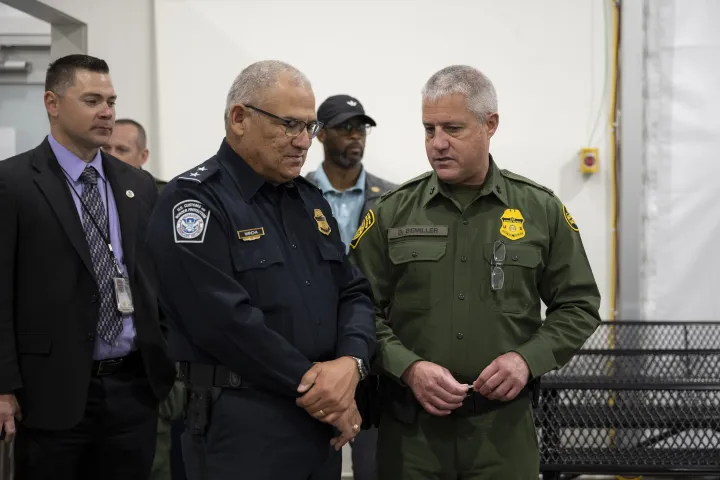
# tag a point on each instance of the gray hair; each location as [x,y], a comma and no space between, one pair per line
[468,81]
[252,82]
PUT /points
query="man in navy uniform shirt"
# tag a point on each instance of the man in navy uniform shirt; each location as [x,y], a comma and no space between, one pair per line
[272,325]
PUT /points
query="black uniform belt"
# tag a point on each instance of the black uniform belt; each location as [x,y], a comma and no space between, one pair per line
[111,366]
[474,403]
[477,404]
[206,376]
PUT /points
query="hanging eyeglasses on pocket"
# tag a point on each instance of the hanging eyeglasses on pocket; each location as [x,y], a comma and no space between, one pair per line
[497,274]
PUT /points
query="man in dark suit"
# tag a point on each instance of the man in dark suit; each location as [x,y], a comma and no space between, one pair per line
[83,362]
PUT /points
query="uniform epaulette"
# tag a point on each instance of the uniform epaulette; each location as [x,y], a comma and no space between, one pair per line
[199,173]
[402,186]
[305,181]
[527,181]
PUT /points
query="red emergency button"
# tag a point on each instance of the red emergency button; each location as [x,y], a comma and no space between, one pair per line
[588,160]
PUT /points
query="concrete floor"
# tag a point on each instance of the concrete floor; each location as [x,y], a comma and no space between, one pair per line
[348,476]
[347,473]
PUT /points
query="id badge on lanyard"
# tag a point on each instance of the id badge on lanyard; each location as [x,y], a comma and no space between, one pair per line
[123,294]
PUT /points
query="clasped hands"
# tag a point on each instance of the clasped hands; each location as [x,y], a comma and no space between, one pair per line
[328,390]
[440,393]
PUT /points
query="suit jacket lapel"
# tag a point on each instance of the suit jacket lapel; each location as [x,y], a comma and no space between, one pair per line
[127,211]
[50,179]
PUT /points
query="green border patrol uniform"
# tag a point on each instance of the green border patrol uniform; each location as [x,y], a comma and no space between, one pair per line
[430,256]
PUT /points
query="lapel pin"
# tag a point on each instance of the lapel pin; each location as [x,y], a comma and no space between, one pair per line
[375,189]
[130,193]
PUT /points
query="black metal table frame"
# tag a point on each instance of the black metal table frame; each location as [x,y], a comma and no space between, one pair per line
[697,347]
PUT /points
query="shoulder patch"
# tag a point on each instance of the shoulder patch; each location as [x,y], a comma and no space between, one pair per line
[569,219]
[200,173]
[366,224]
[412,181]
[519,178]
[190,221]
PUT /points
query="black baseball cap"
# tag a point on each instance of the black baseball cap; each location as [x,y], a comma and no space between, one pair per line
[338,108]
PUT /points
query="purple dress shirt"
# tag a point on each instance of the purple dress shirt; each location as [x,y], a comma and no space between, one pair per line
[74,166]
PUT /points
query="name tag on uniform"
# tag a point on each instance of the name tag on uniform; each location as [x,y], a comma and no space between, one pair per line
[123,295]
[251,234]
[418,231]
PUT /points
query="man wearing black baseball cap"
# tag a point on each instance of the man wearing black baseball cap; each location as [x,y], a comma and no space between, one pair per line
[351,192]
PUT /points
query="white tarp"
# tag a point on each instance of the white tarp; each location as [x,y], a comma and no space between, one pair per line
[682,230]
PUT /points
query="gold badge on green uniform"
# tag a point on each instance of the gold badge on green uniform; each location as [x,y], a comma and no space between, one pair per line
[367,222]
[569,219]
[512,224]
[323,225]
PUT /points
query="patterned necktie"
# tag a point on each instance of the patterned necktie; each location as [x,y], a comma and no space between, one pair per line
[110,321]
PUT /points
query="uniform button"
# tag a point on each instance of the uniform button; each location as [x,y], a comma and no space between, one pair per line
[414,254]
[262,261]
[307,283]
[93,298]
[461,296]
[460,336]
[294,246]
[465,222]
[515,258]
[91,337]
[463,259]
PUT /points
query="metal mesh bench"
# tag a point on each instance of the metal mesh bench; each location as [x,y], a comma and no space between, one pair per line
[638,398]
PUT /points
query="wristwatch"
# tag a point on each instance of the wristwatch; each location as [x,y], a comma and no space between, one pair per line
[362,369]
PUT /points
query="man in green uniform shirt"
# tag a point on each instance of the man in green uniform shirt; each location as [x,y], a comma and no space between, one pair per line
[460,259]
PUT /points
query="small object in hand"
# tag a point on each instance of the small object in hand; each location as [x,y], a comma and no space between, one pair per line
[469,390]
[356,428]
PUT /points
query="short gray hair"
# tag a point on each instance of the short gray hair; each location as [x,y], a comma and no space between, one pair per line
[468,81]
[252,82]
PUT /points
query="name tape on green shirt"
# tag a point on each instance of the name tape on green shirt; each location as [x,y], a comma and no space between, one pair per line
[418,231]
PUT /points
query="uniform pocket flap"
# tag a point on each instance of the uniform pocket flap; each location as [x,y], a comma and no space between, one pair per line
[251,257]
[34,343]
[415,251]
[330,253]
[527,256]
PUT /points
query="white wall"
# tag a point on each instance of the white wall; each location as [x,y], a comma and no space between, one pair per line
[121,32]
[545,58]
[15,22]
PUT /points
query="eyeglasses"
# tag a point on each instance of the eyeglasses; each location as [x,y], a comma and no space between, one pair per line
[293,128]
[346,129]
[497,275]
